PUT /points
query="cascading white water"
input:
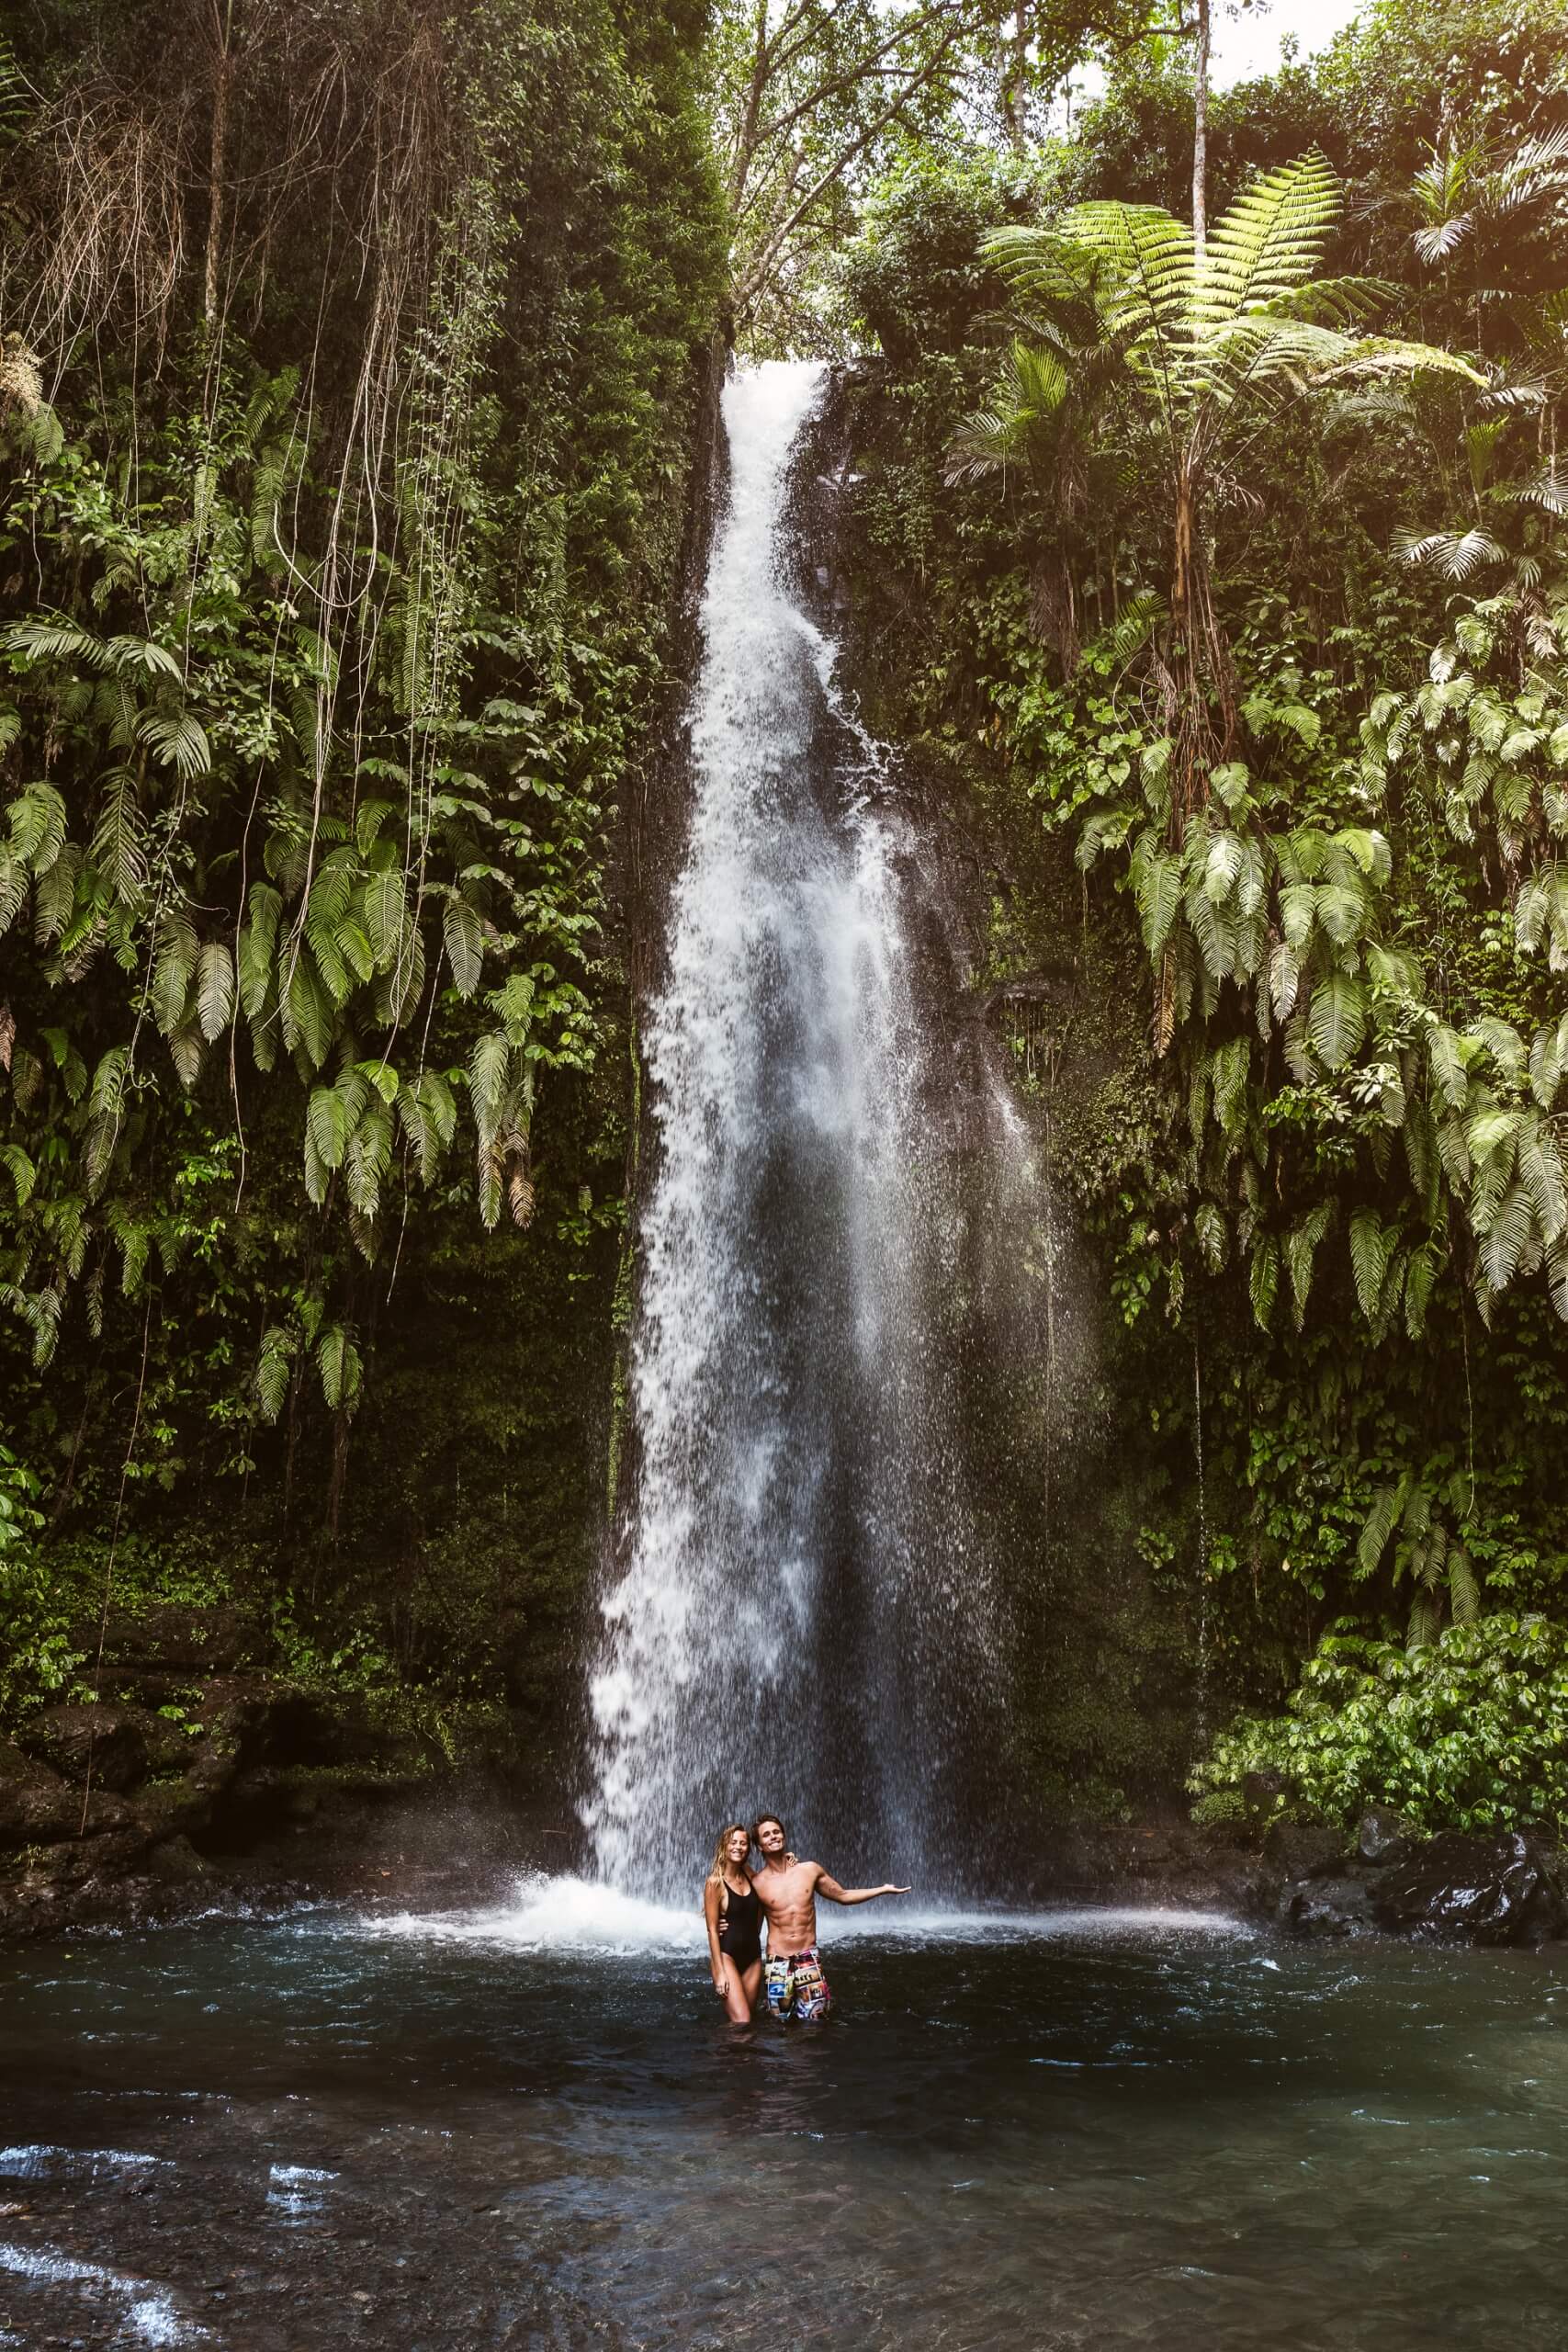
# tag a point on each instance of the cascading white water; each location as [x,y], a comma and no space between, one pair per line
[795,1590]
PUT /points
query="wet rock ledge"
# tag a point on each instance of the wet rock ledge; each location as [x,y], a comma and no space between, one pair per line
[199,1782]
[1311,1879]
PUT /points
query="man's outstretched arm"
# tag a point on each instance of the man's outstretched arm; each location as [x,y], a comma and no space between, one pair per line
[837,1893]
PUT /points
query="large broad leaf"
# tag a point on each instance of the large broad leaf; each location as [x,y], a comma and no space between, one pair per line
[1539,1167]
[1371,1247]
[1263,1278]
[173,967]
[37,820]
[1447,1061]
[119,839]
[1388,1505]
[488,1067]
[465,944]
[1157,889]
[1337,1019]
[214,989]
[1508,1237]
[1301,1248]
[337,1360]
[257,942]
[274,1367]
[1212,1234]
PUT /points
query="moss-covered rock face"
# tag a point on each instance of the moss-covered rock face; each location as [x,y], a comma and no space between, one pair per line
[1087,1499]
[1255,802]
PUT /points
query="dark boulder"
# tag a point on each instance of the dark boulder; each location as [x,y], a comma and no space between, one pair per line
[1478,1890]
[1264,1792]
[1384,1836]
[119,1746]
[1327,1906]
[37,1807]
[168,1635]
[1306,1849]
[176,1862]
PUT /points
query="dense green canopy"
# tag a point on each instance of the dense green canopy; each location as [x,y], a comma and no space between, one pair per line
[352,390]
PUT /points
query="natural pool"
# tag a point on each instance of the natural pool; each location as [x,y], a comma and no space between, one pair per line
[531,2127]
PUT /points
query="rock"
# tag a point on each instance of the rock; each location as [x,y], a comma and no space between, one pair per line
[1323,1907]
[1382,1837]
[175,1808]
[37,1808]
[1263,1793]
[165,1635]
[1482,1890]
[1306,1848]
[122,1744]
[176,1861]
[80,1861]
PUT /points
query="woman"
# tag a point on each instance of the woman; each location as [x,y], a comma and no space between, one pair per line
[735,1925]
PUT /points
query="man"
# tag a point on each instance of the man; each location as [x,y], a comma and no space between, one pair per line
[788,1890]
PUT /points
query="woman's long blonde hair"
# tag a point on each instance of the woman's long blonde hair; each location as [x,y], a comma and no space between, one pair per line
[721,1861]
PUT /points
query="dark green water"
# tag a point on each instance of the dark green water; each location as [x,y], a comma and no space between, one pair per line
[1087,2132]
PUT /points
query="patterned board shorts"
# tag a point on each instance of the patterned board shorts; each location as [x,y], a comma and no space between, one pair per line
[796,1986]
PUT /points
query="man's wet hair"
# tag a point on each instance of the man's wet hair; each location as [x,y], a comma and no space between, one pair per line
[757,1827]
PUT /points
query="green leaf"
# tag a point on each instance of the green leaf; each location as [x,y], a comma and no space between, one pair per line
[1301,1248]
[1508,1237]
[488,1066]
[22,1171]
[274,1366]
[305,1009]
[1213,1234]
[1388,1504]
[326,1121]
[337,1359]
[172,969]
[214,989]
[1263,1278]
[37,820]
[1372,1246]
[257,942]
[119,840]
[465,945]
[1155,876]
[1337,1019]
[180,744]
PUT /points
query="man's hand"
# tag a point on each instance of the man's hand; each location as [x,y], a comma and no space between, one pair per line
[893,1890]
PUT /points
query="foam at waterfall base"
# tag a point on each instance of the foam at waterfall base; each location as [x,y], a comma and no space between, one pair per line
[577,1914]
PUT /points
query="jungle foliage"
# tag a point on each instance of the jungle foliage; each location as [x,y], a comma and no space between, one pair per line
[346,411]
[349,386]
[1243,573]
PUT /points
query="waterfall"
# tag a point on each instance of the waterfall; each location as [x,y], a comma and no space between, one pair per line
[798,1610]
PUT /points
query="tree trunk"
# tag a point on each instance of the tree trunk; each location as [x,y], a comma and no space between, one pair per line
[1014,89]
[1201,681]
[1201,136]
[224,27]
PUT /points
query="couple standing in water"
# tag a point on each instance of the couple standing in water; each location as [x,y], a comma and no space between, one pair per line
[784,1892]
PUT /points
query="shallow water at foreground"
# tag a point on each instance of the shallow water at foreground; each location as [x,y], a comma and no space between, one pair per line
[531,2127]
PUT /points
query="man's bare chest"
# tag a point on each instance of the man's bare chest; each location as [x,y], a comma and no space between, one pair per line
[784,1892]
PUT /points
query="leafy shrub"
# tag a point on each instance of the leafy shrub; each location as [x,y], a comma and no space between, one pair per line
[1219,1805]
[36,1656]
[1468,1732]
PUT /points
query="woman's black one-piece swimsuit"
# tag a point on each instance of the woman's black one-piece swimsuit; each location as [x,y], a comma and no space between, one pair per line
[740,1928]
